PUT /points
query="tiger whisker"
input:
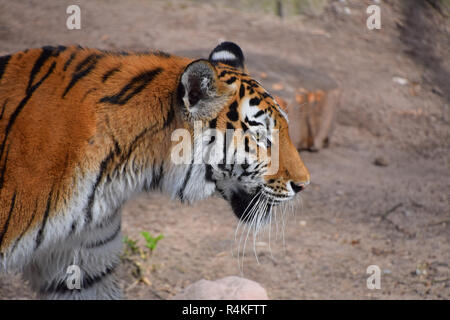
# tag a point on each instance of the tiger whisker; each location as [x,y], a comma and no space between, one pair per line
[257,227]
[245,214]
[251,214]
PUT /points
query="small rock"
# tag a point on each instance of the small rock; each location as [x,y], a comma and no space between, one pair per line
[400,80]
[377,252]
[228,288]
[381,162]
[303,223]
[437,91]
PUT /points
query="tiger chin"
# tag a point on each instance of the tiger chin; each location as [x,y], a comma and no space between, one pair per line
[83,130]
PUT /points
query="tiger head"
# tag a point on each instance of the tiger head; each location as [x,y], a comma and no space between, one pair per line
[245,146]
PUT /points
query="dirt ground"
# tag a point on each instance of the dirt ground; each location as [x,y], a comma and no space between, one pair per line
[355,213]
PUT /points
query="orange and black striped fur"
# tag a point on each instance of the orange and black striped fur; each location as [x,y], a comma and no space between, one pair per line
[82,130]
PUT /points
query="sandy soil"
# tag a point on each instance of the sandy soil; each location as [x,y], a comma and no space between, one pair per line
[355,213]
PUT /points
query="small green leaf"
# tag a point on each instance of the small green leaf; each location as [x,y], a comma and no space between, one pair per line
[151,242]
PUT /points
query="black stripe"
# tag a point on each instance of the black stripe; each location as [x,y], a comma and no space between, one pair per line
[135,86]
[259,114]
[104,241]
[59,49]
[69,61]
[5,227]
[29,92]
[244,126]
[40,234]
[87,93]
[247,147]
[231,80]
[116,53]
[109,74]
[3,63]
[265,95]
[135,141]
[117,148]
[102,172]
[230,71]
[255,101]
[253,123]
[241,91]
[73,228]
[26,228]
[169,117]
[2,173]
[157,177]
[213,123]
[88,281]
[209,173]
[186,179]
[93,57]
[212,139]
[47,52]
[109,219]
[233,114]
[82,70]
[3,108]
[126,156]
[251,82]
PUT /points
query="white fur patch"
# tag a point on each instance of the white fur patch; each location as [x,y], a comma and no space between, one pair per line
[223,56]
[57,251]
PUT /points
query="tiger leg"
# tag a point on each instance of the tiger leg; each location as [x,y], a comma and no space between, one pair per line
[82,267]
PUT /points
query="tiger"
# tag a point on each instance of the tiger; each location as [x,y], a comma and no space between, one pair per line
[83,130]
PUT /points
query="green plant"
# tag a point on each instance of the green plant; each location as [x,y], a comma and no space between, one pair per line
[131,244]
[151,241]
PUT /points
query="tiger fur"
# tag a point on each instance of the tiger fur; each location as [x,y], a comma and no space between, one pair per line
[83,130]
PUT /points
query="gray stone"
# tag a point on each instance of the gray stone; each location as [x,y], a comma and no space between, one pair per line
[228,288]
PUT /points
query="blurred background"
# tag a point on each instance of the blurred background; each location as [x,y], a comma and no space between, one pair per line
[376,103]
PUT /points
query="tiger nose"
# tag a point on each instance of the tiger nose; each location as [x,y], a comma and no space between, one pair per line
[298,186]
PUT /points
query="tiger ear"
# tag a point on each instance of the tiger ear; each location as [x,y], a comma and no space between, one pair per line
[201,93]
[228,53]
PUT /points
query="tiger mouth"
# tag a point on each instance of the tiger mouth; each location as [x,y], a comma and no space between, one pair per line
[245,205]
